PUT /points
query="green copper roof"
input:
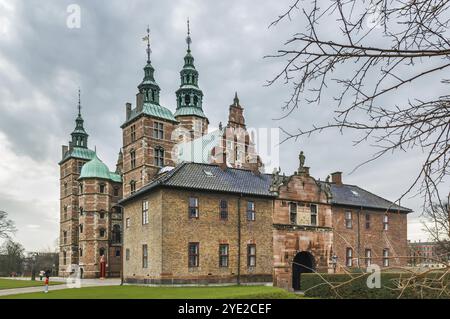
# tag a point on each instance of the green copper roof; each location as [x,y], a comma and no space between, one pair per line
[95,168]
[154,110]
[190,110]
[79,152]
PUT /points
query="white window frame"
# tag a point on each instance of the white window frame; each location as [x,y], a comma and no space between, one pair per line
[145,212]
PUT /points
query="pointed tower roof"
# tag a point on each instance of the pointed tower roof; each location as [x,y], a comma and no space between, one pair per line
[148,96]
[78,146]
[189,95]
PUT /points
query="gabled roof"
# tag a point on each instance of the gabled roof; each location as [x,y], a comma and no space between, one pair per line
[209,177]
[351,195]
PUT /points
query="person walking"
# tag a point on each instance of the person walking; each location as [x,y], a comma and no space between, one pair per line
[46,283]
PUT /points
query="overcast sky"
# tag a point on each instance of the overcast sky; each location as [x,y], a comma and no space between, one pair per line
[43,62]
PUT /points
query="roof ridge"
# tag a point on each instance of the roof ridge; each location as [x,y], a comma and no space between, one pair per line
[382,198]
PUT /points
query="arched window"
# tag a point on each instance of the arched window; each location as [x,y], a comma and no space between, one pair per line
[187,99]
[81,187]
[195,100]
[64,257]
[102,251]
[153,95]
[116,234]
[102,214]
[102,232]
[159,157]
[81,211]
[81,228]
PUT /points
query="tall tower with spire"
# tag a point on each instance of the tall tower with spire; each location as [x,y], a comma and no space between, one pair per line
[147,132]
[189,96]
[74,156]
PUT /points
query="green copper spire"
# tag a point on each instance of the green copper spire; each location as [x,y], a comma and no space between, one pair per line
[79,135]
[148,87]
[189,95]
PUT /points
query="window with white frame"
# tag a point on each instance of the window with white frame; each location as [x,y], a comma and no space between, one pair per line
[193,207]
[251,214]
[348,219]
[368,255]
[349,257]
[145,212]
[158,130]
[385,222]
[386,257]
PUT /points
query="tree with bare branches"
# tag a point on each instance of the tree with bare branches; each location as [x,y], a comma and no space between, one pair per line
[387,46]
[6,226]
[437,226]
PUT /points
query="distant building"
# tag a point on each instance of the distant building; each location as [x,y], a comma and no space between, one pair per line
[426,254]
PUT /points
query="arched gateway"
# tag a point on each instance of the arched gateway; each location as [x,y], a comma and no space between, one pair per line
[303,263]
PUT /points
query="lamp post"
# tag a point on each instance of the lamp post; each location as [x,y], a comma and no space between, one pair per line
[33,266]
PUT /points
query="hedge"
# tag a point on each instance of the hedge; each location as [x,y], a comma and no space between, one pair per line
[314,285]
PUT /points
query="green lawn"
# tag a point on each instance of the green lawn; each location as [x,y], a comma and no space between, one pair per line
[140,292]
[12,283]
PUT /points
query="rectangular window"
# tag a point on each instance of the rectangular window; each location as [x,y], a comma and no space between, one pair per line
[251,215]
[159,157]
[158,130]
[386,257]
[127,223]
[193,252]
[133,133]
[293,213]
[223,255]
[368,255]
[133,186]
[127,254]
[223,209]
[313,215]
[251,255]
[367,221]
[193,207]
[144,256]
[348,220]
[385,222]
[118,252]
[144,212]
[133,159]
[102,188]
[116,191]
[65,237]
[81,228]
[349,257]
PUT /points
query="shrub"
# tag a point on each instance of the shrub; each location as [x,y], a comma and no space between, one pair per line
[427,286]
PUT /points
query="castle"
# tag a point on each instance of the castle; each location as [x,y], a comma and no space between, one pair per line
[189,206]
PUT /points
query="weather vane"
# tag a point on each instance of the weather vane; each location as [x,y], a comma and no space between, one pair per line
[79,101]
[188,38]
[147,39]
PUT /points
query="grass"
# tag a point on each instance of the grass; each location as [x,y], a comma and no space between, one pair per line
[141,292]
[14,283]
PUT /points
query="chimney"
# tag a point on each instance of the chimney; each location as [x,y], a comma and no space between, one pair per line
[70,145]
[64,150]
[128,107]
[139,102]
[336,178]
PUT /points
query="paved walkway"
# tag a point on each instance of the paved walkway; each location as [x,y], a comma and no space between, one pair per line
[84,283]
